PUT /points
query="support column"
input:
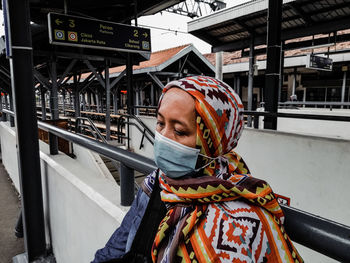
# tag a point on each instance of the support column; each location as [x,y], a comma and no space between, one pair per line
[129,82]
[108,102]
[3,116]
[54,92]
[218,65]
[89,99]
[97,98]
[294,81]
[76,97]
[281,73]
[6,102]
[43,104]
[343,89]
[64,102]
[53,106]
[273,62]
[238,86]
[84,101]
[70,100]
[115,101]
[152,94]
[250,79]
[21,64]
[137,99]
[12,119]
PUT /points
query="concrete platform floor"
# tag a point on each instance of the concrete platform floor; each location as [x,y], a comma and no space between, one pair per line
[10,245]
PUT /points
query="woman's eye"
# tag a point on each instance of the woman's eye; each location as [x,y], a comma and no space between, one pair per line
[160,123]
[180,133]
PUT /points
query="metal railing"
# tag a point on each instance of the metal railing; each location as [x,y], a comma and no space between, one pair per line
[145,131]
[322,235]
[257,114]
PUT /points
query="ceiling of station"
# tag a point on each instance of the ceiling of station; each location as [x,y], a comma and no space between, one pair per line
[231,29]
[115,11]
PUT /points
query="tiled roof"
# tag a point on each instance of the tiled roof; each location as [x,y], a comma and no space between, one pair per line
[157,58]
[235,57]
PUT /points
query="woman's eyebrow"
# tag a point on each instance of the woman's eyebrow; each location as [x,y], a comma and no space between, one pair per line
[174,120]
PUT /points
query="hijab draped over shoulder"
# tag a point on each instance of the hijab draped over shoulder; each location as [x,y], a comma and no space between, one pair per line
[222,214]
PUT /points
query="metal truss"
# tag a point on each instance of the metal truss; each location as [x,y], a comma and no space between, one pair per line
[197,8]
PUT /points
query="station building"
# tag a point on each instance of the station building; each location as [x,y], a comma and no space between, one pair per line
[308,84]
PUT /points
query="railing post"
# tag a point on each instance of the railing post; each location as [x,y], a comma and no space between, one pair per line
[53,141]
[126,185]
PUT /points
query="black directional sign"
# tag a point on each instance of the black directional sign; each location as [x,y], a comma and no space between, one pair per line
[85,32]
[319,63]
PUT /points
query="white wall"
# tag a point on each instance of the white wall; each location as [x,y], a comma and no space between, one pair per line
[81,202]
[312,171]
[335,129]
[9,151]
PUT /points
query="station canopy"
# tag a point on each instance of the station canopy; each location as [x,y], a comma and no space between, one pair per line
[231,29]
[116,11]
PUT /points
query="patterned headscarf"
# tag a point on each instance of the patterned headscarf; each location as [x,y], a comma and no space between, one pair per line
[208,218]
[219,118]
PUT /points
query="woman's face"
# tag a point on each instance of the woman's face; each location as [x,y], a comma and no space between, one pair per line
[176,117]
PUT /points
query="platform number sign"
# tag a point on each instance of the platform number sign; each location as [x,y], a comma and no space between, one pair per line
[90,33]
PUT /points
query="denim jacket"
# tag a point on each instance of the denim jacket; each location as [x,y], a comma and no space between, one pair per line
[121,240]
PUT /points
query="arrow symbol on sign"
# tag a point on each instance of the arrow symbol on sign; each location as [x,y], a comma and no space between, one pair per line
[145,34]
[58,22]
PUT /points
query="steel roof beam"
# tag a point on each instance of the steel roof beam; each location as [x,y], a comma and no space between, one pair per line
[298,9]
[68,69]
[156,80]
[319,28]
[93,70]
[43,81]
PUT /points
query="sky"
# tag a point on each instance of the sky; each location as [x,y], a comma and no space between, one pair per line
[163,39]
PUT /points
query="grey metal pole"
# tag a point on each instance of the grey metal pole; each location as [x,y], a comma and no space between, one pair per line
[250,79]
[12,119]
[273,62]
[89,99]
[21,65]
[83,101]
[294,81]
[3,116]
[108,102]
[239,90]
[53,106]
[152,94]
[129,82]
[64,102]
[6,105]
[97,98]
[218,65]
[43,104]
[115,101]
[343,89]
[54,91]
[280,86]
[76,97]
[126,185]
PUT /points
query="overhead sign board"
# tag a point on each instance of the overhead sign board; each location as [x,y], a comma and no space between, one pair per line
[318,62]
[90,33]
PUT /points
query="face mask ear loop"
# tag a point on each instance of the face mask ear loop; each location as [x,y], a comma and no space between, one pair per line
[204,166]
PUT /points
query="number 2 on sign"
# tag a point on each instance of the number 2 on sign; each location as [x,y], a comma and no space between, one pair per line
[136,33]
[71,23]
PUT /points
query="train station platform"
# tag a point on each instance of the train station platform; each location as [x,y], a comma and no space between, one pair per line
[10,245]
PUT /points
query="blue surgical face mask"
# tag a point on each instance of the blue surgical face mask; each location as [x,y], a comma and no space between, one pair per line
[175,159]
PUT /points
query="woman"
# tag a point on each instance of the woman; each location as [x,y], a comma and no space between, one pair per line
[215,210]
